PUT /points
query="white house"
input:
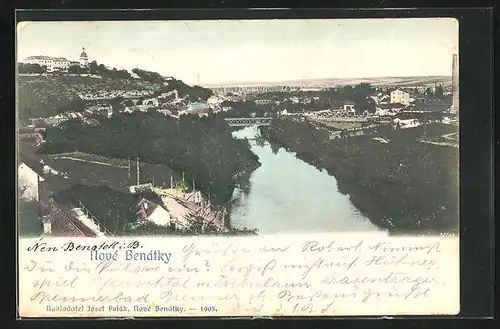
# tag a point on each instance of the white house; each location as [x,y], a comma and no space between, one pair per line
[52,63]
[134,75]
[151,101]
[196,106]
[28,180]
[165,112]
[400,96]
[214,100]
[263,101]
[408,123]
[383,99]
[349,107]
[140,188]
[389,109]
[149,211]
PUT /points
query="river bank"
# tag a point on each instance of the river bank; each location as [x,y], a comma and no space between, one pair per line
[288,195]
[405,186]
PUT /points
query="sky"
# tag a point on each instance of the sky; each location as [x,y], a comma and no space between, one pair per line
[222,51]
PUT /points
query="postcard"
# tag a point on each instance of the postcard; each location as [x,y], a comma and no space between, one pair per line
[238,168]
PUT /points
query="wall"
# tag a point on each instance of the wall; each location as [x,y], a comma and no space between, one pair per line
[160,216]
[28,183]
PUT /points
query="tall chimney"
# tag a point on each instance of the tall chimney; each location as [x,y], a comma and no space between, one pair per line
[129,169]
[454,83]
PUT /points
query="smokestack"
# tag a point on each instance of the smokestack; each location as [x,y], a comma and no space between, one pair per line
[137,170]
[454,83]
[129,169]
[47,225]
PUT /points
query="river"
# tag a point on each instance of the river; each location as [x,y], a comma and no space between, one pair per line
[287,195]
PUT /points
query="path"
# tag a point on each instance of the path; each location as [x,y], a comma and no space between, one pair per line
[95,162]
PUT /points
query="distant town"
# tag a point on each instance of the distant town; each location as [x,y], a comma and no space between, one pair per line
[96,142]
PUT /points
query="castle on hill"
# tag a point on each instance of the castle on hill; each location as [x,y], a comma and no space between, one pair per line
[57,63]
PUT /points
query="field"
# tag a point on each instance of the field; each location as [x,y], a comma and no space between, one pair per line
[418,81]
[339,125]
[95,170]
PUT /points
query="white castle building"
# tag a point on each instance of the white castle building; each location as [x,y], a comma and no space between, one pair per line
[57,63]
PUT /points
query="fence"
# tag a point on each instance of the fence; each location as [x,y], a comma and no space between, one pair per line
[94,219]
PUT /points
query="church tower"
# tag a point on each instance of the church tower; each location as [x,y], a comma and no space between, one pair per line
[84,60]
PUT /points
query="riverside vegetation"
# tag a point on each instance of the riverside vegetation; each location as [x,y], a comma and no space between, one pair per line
[403,186]
[202,148]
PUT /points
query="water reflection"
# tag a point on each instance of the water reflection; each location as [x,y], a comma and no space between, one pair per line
[287,195]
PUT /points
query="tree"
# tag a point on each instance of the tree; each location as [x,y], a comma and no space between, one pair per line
[428,92]
[348,92]
[93,67]
[76,104]
[128,102]
[76,69]
[204,149]
[439,91]
[102,68]
[31,68]
[28,215]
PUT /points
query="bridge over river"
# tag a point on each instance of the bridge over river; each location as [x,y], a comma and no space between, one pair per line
[246,122]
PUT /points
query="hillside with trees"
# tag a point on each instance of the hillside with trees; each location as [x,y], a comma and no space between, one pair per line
[43,94]
[203,149]
[192,94]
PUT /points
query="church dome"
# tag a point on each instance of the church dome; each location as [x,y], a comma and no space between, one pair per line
[83,54]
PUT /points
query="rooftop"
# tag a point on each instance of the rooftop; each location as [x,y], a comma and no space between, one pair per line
[38,57]
[146,208]
[32,162]
[83,54]
[398,89]
[65,224]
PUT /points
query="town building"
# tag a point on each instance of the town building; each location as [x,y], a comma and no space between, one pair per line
[151,212]
[408,123]
[151,101]
[37,183]
[400,96]
[197,107]
[32,133]
[349,107]
[389,109]
[29,178]
[51,63]
[261,102]
[134,189]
